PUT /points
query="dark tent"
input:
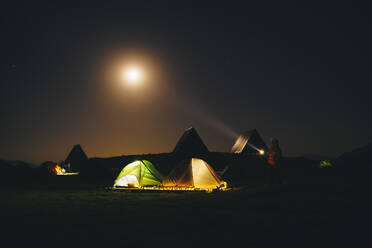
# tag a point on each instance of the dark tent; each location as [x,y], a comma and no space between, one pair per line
[75,158]
[190,144]
[249,142]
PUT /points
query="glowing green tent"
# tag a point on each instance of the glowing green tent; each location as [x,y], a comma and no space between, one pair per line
[137,174]
[325,164]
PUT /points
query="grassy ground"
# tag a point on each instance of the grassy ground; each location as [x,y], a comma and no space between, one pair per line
[328,213]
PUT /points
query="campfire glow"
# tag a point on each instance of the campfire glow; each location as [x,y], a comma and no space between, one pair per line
[58,170]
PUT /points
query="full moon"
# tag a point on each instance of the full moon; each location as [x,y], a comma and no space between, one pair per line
[133,75]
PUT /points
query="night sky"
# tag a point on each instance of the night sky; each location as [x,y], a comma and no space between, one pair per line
[298,72]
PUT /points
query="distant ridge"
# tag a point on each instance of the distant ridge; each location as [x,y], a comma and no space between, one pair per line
[359,157]
[318,157]
[17,164]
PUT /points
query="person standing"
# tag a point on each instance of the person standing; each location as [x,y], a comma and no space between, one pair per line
[274,156]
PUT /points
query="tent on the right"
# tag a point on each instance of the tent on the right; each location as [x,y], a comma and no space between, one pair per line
[249,142]
[194,174]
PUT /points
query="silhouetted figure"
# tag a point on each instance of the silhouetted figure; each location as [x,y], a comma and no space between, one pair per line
[274,156]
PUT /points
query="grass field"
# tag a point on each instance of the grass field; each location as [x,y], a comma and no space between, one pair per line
[326,213]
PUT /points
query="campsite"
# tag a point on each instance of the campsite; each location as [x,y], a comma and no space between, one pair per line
[314,206]
[322,211]
[185,124]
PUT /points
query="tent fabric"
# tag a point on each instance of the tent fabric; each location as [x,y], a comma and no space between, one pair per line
[75,157]
[128,181]
[144,172]
[246,140]
[190,144]
[195,173]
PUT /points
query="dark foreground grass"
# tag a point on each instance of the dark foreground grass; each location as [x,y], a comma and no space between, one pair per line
[331,214]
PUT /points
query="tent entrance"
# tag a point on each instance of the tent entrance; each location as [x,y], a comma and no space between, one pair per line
[127,181]
[137,174]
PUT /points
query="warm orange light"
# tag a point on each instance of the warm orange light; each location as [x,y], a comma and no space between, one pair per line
[262,152]
[58,170]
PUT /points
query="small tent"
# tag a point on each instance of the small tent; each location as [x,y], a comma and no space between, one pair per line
[194,173]
[137,174]
[190,144]
[249,142]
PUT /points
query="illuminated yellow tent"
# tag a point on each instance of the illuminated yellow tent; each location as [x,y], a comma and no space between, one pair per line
[194,173]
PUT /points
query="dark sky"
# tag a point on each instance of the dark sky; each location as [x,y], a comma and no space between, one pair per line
[299,72]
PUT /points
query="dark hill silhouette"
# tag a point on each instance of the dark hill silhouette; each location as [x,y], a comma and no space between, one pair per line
[357,158]
[6,166]
[15,173]
[17,164]
[190,144]
[47,164]
[318,157]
